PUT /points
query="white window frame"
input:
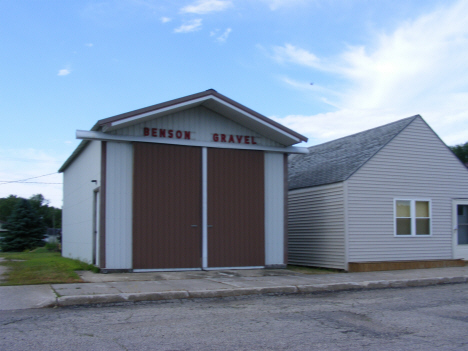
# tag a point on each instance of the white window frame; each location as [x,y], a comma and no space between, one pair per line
[413,218]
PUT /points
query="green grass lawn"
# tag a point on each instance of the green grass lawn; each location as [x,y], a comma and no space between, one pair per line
[41,266]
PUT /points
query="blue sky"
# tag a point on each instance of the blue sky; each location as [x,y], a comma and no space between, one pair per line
[66,64]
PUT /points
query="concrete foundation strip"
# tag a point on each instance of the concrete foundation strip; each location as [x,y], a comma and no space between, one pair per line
[288,289]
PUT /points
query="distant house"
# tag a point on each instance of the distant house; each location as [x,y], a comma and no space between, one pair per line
[53,235]
[387,198]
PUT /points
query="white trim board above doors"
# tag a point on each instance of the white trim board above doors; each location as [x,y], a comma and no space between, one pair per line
[91,135]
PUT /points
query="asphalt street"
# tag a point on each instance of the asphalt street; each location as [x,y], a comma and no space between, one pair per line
[422,318]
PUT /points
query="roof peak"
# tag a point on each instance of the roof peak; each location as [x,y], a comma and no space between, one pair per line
[337,160]
[200,97]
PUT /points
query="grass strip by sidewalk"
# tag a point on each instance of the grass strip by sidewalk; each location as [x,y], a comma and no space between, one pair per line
[41,267]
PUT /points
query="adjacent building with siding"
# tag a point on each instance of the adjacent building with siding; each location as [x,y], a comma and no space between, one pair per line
[198,182]
[390,197]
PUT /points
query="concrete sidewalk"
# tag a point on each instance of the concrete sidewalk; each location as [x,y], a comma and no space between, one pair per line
[133,287]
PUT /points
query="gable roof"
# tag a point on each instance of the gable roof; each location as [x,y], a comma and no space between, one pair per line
[210,99]
[337,160]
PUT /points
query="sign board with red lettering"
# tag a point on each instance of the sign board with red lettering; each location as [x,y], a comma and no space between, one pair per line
[186,135]
[198,124]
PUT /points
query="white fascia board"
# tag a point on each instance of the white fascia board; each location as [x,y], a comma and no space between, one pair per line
[91,135]
[159,111]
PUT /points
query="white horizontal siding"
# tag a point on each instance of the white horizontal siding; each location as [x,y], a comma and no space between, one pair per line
[316,226]
[201,122]
[78,197]
[119,183]
[416,164]
[274,208]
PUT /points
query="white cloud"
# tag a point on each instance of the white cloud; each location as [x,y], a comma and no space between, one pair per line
[190,26]
[328,126]
[315,89]
[292,54]
[165,19]
[203,7]
[419,68]
[89,45]
[223,37]
[64,72]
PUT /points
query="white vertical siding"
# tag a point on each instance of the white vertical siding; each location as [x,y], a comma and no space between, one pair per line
[416,164]
[119,183]
[202,122]
[78,197]
[274,208]
[316,226]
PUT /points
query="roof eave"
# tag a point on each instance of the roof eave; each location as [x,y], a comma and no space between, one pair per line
[81,146]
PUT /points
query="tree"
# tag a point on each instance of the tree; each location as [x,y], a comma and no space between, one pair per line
[25,227]
[7,204]
[461,151]
[37,201]
[52,216]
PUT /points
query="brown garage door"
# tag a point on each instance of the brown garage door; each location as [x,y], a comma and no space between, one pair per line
[236,208]
[166,205]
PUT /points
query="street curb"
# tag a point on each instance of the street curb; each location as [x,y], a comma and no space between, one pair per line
[66,301]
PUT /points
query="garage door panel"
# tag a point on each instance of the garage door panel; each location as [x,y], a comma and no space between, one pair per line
[236,208]
[167,203]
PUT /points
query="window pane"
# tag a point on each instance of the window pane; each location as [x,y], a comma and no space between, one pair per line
[423,226]
[403,226]
[462,214]
[462,234]
[422,209]
[403,208]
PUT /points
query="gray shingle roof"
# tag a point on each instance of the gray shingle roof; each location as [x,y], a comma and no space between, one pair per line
[337,160]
